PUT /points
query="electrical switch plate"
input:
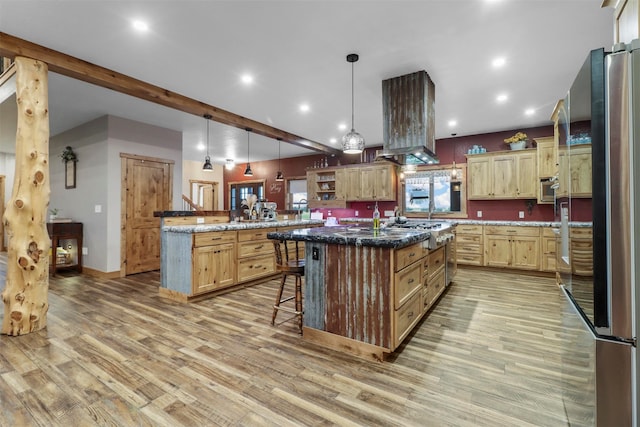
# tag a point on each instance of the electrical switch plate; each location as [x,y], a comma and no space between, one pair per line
[479,214]
[357,213]
[388,213]
[315,254]
[200,220]
[85,251]
[98,208]
[285,216]
[521,214]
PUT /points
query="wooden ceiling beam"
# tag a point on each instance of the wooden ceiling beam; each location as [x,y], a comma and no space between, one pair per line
[79,69]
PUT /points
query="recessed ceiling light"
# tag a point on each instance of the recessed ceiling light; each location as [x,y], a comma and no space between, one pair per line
[502,97]
[342,126]
[247,79]
[201,146]
[529,111]
[498,62]
[333,140]
[140,25]
[304,108]
[452,123]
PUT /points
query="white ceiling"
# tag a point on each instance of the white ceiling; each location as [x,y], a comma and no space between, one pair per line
[297,52]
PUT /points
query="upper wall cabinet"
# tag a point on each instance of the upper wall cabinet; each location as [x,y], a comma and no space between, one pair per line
[578,181]
[334,187]
[547,157]
[502,175]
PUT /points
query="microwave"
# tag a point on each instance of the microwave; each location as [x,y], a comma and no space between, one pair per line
[547,190]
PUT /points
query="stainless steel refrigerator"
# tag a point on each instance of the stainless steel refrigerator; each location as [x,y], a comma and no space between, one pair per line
[603,110]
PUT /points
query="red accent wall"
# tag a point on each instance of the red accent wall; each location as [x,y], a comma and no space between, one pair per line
[447,149]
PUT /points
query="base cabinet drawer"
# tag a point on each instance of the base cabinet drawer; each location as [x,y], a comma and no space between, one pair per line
[256,267]
[260,247]
[406,281]
[434,287]
[407,316]
[468,258]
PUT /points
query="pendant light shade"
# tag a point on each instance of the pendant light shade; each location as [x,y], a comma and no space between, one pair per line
[247,170]
[207,167]
[352,142]
[279,175]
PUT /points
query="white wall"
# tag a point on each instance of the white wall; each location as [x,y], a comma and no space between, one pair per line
[98,145]
[193,170]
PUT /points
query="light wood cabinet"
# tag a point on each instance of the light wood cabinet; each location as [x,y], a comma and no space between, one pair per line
[575,171]
[348,184]
[512,247]
[407,295]
[378,183]
[580,165]
[334,187]
[213,261]
[256,257]
[434,277]
[469,244]
[581,250]
[548,250]
[502,175]
[213,267]
[546,153]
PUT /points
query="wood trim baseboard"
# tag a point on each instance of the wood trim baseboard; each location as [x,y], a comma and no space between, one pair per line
[343,344]
[101,274]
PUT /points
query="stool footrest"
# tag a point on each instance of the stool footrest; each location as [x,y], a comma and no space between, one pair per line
[287,299]
[288,310]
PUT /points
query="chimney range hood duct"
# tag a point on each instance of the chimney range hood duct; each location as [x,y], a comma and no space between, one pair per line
[408,111]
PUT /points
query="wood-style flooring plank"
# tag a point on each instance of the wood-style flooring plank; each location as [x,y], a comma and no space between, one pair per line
[499,349]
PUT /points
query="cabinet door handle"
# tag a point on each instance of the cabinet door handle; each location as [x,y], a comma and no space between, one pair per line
[410,315]
[410,281]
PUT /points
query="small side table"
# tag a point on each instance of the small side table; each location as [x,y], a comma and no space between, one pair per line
[68,237]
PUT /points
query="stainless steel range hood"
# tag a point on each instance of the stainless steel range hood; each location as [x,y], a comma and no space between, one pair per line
[408,110]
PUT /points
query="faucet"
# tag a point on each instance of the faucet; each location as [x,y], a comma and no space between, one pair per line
[299,208]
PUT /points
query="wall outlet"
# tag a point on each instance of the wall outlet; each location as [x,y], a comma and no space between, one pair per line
[357,213]
[97,208]
[521,214]
[388,214]
[85,251]
[479,214]
[315,254]
[285,216]
[200,220]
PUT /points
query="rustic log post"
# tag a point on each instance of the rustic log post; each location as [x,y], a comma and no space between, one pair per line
[25,295]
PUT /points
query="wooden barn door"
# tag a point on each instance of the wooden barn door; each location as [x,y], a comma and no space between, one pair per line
[146,188]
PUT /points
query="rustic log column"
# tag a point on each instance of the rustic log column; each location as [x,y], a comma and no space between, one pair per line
[25,295]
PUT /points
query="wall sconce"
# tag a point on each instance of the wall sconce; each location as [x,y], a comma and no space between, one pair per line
[454,172]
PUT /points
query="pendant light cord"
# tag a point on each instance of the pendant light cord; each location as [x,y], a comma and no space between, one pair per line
[352,101]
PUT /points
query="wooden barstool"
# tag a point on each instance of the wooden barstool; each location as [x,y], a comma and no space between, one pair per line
[289,267]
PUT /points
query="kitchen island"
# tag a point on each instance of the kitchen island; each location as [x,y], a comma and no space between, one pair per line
[366,289]
[201,260]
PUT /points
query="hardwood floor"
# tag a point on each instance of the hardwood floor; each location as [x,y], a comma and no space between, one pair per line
[493,352]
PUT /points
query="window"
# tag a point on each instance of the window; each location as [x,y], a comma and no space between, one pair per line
[297,193]
[239,191]
[433,191]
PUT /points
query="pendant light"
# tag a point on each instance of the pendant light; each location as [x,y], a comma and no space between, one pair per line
[279,175]
[353,142]
[248,171]
[207,167]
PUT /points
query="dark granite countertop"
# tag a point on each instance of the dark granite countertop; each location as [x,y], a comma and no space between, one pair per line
[355,235]
[242,225]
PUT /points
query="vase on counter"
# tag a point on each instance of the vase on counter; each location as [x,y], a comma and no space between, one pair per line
[518,145]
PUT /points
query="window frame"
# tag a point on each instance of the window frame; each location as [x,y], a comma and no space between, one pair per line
[462,178]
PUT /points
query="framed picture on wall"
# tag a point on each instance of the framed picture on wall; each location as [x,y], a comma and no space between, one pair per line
[70,174]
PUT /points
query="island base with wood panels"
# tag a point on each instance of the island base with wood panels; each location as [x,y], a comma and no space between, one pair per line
[365,290]
[198,261]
